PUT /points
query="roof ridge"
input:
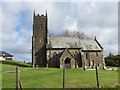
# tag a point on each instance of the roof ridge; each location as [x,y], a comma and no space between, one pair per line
[4,52]
[74,37]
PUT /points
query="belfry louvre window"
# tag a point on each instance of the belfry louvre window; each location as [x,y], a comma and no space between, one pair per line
[40,26]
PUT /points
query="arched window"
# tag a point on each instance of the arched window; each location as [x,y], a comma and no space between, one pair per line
[87,55]
[98,64]
[55,54]
[97,54]
[75,55]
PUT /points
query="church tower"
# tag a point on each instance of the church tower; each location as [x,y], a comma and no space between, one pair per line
[39,40]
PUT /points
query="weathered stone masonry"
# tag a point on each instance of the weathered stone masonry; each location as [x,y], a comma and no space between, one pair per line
[61,51]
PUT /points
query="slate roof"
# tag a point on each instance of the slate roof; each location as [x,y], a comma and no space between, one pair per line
[73,42]
[5,54]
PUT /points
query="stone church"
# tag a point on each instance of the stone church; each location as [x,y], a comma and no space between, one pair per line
[62,51]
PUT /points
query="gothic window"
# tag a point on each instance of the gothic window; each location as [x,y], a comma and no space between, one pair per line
[55,53]
[75,55]
[97,54]
[92,63]
[87,55]
[55,56]
[98,64]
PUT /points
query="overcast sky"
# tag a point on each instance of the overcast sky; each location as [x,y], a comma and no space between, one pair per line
[93,18]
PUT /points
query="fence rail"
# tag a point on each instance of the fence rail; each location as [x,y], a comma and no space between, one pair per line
[19,84]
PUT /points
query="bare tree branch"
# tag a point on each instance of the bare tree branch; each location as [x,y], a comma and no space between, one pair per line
[78,34]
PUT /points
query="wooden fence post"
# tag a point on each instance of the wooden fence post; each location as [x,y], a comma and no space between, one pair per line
[64,77]
[20,85]
[17,78]
[97,78]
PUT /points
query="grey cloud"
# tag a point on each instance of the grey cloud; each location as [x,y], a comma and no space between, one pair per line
[95,19]
[99,14]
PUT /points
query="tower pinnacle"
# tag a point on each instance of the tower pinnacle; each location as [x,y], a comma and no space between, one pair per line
[34,13]
[46,12]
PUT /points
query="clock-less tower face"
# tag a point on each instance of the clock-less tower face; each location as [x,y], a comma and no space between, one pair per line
[40,39]
[40,26]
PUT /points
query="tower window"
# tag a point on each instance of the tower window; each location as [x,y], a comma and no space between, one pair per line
[40,26]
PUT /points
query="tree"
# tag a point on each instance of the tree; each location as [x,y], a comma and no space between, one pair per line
[112,60]
[78,34]
[110,54]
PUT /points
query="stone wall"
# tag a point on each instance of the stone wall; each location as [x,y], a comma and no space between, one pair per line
[60,56]
[78,58]
[90,59]
[39,40]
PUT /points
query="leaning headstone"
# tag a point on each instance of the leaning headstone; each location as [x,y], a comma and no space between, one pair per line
[85,67]
[104,67]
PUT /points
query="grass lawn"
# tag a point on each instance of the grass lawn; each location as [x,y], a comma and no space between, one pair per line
[52,77]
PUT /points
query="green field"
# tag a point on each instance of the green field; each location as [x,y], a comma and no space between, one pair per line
[52,77]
